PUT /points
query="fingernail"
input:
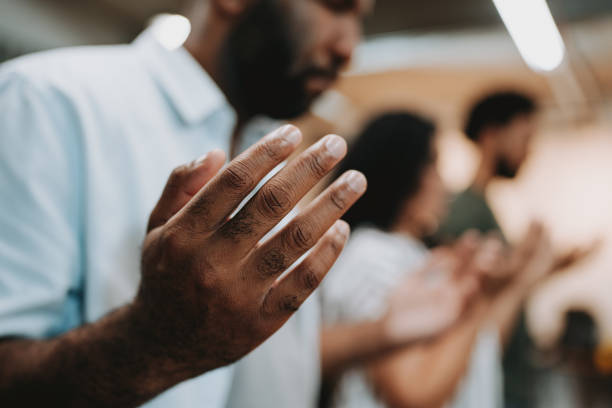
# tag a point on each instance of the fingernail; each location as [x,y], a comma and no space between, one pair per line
[201,160]
[356,181]
[217,154]
[336,146]
[289,134]
[342,228]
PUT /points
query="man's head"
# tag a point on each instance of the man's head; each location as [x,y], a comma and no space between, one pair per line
[279,55]
[502,125]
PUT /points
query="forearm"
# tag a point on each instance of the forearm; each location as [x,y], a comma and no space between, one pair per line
[429,375]
[505,309]
[344,346]
[108,363]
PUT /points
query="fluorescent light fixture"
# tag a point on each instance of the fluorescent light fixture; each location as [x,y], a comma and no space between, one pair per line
[534,32]
[171,30]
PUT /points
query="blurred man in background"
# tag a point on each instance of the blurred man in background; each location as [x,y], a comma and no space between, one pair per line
[87,139]
[502,126]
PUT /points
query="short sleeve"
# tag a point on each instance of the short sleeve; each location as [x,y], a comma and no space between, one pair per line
[39,211]
[357,288]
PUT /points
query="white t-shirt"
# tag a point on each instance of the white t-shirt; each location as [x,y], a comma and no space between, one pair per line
[357,289]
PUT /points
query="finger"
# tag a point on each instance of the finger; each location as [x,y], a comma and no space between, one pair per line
[468,288]
[532,239]
[279,195]
[278,253]
[465,249]
[441,263]
[452,301]
[184,182]
[488,257]
[211,207]
[470,238]
[523,252]
[287,295]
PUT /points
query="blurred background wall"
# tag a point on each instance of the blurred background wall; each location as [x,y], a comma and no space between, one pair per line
[434,57]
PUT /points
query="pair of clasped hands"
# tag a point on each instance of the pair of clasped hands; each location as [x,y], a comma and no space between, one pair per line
[436,296]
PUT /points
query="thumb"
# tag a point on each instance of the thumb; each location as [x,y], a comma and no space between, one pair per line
[184,182]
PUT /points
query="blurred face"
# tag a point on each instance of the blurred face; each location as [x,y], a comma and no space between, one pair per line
[512,145]
[284,53]
[425,210]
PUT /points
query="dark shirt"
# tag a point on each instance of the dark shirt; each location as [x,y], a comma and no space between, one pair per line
[469,210]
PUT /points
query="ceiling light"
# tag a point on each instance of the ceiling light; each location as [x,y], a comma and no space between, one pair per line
[171,30]
[534,32]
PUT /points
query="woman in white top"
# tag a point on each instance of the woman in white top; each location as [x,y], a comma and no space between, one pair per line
[404,203]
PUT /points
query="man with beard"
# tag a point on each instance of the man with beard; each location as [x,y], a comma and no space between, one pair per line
[88,137]
[501,125]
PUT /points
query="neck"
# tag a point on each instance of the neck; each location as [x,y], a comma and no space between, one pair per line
[407,228]
[484,174]
[205,42]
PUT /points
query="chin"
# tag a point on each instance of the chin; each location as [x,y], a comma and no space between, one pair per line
[287,108]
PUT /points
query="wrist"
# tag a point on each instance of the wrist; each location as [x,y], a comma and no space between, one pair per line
[158,345]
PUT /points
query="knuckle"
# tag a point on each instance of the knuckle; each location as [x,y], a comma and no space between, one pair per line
[207,281]
[309,277]
[316,166]
[200,207]
[273,305]
[238,176]
[289,304]
[300,237]
[272,263]
[242,225]
[172,240]
[271,149]
[338,199]
[275,200]
[336,243]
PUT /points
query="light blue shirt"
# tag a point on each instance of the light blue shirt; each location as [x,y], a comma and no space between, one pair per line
[88,137]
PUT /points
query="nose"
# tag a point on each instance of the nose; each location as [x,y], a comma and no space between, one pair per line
[348,36]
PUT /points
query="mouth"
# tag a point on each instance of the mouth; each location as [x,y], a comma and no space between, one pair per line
[319,83]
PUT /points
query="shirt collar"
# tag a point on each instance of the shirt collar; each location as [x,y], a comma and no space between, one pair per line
[188,86]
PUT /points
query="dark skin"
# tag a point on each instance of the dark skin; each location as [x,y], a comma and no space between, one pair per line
[320,35]
[222,306]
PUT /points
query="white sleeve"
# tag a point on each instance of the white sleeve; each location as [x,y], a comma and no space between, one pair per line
[358,286]
[39,212]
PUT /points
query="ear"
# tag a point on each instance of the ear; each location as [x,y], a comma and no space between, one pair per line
[231,8]
[488,139]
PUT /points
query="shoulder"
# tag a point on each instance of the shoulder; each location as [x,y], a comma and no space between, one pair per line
[469,204]
[371,255]
[357,286]
[70,69]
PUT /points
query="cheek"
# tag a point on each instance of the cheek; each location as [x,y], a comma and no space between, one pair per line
[517,154]
[313,28]
[437,202]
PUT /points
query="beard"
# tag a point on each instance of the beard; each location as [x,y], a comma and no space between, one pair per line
[258,61]
[505,170]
